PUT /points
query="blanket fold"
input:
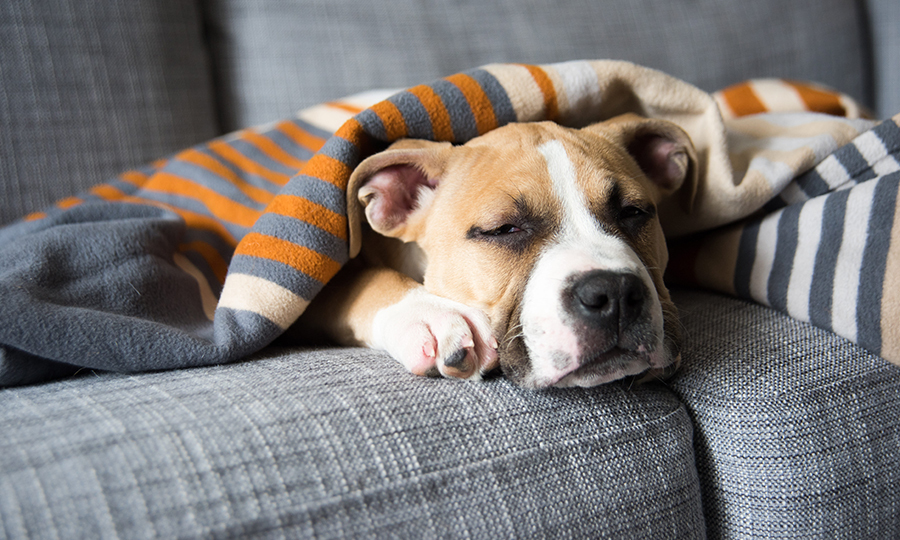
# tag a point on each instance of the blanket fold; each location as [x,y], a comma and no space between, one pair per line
[209,255]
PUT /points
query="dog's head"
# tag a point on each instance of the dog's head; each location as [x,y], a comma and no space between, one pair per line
[552,232]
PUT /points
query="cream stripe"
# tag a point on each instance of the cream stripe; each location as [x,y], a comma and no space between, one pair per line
[778,96]
[364,100]
[578,92]
[809,235]
[766,243]
[849,261]
[207,297]
[834,174]
[890,301]
[251,293]
[872,149]
[325,117]
[524,93]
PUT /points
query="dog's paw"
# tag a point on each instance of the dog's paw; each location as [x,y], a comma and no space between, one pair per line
[430,335]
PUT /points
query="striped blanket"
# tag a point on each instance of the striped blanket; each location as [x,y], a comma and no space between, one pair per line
[211,254]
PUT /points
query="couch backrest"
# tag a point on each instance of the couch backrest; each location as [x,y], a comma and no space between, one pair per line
[90,89]
[274,56]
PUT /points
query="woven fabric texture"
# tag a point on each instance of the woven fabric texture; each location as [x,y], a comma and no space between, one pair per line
[341,443]
[266,68]
[90,89]
[797,429]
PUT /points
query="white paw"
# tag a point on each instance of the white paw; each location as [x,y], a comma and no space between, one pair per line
[425,333]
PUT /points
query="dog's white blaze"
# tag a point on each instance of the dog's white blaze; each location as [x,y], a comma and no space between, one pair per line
[579,226]
[583,245]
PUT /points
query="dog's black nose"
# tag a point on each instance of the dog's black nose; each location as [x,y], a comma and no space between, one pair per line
[609,300]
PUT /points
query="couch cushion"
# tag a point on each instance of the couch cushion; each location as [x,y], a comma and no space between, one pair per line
[93,88]
[341,443]
[275,56]
[797,430]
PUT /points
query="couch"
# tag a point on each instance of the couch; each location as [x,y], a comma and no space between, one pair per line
[773,428]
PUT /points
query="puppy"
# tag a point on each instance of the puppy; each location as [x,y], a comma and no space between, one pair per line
[533,247]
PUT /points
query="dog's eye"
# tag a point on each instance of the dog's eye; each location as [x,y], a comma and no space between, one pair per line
[510,236]
[502,230]
[628,213]
[632,218]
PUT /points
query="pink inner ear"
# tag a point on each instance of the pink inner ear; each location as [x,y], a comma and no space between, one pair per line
[391,195]
[662,160]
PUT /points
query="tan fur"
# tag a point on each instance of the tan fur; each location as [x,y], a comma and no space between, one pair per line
[482,185]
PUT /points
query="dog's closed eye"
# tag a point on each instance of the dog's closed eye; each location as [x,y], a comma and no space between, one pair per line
[506,228]
[512,236]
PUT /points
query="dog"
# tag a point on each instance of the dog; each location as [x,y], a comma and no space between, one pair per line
[534,247]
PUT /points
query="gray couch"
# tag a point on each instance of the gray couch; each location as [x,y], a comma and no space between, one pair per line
[773,428]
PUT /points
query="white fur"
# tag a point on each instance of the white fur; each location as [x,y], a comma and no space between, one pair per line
[582,246]
[422,330]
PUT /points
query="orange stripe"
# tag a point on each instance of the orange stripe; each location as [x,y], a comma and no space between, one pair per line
[107,192]
[35,216]
[328,169]
[216,167]
[394,125]
[300,136]
[191,219]
[211,255]
[68,202]
[819,100]
[437,112]
[481,106]
[742,100]
[134,177]
[353,132]
[242,162]
[268,147]
[310,212]
[551,104]
[345,106]
[311,263]
[219,205]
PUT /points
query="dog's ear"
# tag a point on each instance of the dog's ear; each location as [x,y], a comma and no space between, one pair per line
[663,151]
[393,187]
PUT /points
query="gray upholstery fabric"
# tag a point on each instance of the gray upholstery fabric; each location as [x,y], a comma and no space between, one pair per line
[341,443]
[797,429]
[885,25]
[90,89]
[274,56]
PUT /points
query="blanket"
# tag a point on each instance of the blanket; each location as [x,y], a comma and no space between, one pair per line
[209,255]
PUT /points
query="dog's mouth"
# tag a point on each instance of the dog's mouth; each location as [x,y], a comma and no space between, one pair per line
[603,367]
[608,366]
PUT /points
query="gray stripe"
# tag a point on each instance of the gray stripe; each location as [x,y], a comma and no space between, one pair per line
[372,124]
[285,276]
[872,273]
[822,287]
[301,233]
[202,176]
[318,191]
[418,123]
[342,150]
[785,249]
[746,256]
[251,152]
[495,92]
[461,117]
